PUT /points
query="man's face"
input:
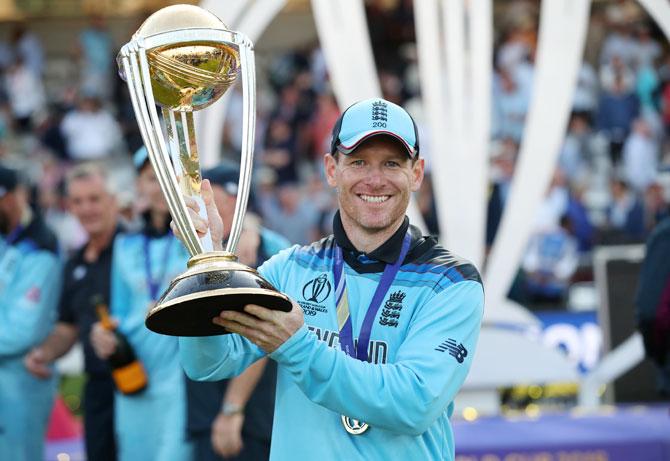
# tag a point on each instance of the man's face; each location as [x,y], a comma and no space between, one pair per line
[12,205]
[150,190]
[91,203]
[374,183]
[225,204]
[6,202]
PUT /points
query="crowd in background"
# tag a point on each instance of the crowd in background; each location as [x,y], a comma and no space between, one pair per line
[608,187]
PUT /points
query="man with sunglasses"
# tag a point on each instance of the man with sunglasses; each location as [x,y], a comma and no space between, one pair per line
[384,321]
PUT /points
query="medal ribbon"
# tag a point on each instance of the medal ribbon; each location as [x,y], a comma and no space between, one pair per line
[154,284]
[342,302]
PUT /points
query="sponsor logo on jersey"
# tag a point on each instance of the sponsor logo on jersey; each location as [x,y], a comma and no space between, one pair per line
[391,311]
[377,350]
[456,350]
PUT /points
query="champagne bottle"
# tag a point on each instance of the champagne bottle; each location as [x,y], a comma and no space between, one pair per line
[127,371]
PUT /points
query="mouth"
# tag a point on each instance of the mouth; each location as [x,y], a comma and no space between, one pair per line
[374,198]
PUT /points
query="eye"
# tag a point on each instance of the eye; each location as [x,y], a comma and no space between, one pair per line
[392,164]
[357,163]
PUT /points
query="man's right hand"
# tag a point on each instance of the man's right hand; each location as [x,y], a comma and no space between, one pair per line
[37,363]
[103,341]
[214,223]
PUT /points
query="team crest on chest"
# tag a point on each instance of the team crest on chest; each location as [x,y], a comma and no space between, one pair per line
[391,311]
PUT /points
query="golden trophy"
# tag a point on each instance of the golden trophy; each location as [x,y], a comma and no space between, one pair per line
[183,58]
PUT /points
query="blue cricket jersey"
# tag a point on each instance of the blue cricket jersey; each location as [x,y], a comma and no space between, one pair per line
[151,424]
[30,284]
[421,347]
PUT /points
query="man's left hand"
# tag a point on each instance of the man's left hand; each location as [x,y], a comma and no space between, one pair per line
[266,328]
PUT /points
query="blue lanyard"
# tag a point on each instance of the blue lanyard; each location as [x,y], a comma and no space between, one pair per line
[14,235]
[12,238]
[154,284]
[346,333]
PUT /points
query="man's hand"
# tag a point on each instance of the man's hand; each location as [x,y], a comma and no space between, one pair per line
[266,328]
[227,434]
[214,222]
[37,363]
[103,341]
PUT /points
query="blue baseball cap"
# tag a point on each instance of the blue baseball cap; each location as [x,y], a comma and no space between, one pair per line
[374,117]
[140,158]
[224,176]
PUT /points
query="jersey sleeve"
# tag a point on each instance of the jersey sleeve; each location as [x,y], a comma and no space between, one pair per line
[212,358]
[30,302]
[120,294]
[406,396]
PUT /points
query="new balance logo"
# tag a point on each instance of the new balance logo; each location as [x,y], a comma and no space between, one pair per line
[456,350]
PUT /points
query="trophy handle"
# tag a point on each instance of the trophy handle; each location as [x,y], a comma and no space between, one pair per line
[186,161]
[144,105]
[248,71]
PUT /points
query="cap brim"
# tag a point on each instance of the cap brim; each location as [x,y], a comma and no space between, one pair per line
[349,145]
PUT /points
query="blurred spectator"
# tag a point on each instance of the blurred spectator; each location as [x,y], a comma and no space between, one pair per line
[152,424]
[585,99]
[580,222]
[555,204]
[321,125]
[656,207]
[647,49]
[510,103]
[26,95]
[87,279]
[576,156]
[95,51]
[617,109]
[90,131]
[284,210]
[618,42]
[28,49]
[640,157]
[550,261]
[653,303]
[646,87]
[280,152]
[617,72]
[625,215]
[502,172]
[30,283]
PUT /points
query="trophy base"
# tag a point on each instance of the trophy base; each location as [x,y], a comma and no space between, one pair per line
[214,282]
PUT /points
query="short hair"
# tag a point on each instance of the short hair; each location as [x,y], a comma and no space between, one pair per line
[91,170]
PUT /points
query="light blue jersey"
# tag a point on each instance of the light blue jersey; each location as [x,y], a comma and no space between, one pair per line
[422,343]
[30,283]
[152,424]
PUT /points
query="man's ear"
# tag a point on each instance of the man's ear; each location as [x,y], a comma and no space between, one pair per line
[417,174]
[329,166]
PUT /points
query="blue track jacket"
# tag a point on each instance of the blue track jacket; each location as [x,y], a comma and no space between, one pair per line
[421,348]
[30,284]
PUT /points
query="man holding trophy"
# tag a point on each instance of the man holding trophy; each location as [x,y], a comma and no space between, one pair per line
[373,328]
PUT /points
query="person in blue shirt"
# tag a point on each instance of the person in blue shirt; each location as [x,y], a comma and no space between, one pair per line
[151,424]
[384,322]
[232,419]
[30,283]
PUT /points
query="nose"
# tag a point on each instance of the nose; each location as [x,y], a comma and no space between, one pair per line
[374,176]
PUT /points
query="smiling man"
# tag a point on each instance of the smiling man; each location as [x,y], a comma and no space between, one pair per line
[384,321]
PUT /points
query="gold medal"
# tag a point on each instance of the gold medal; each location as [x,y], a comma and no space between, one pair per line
[354,426]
